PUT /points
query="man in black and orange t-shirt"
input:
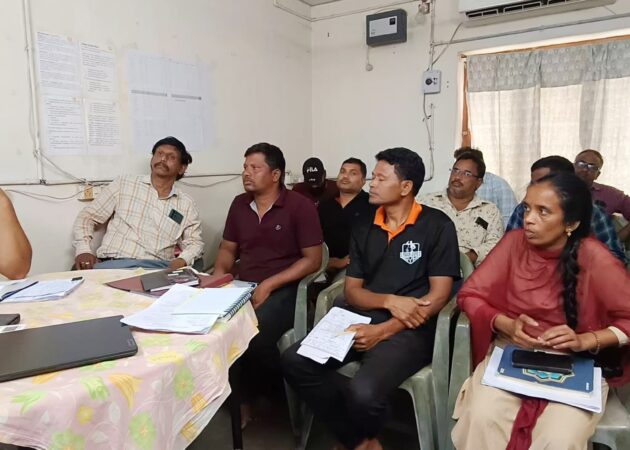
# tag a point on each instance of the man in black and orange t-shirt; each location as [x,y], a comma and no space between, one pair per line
[402,266]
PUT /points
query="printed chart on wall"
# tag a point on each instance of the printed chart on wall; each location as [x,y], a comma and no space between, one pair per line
[166,98]
[78,97]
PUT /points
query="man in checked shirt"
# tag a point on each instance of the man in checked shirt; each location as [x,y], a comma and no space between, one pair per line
[148,217]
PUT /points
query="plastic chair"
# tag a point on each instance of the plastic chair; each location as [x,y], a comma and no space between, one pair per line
[424,387]
[613,430]
[301,305]
[466,266]
[299,331]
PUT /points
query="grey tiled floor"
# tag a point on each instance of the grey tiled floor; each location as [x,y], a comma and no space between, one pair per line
[272,430]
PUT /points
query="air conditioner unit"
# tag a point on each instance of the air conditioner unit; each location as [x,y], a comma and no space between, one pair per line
[482,12]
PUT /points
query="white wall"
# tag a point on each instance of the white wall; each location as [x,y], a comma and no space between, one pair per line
[302,86]
[261,66]
[356,112]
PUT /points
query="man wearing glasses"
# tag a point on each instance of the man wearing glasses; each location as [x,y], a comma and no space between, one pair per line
[478,222]
[588,165]
[602,226]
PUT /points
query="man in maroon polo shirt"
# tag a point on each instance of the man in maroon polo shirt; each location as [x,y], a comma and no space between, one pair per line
[588,165]
[276,234]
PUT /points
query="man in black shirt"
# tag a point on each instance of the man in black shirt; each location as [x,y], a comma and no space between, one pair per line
[338,215]
[402,266]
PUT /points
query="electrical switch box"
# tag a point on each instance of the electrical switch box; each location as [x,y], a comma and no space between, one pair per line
[432,81]
[389,27]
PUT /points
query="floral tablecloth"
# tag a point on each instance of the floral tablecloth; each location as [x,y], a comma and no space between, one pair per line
[159,399]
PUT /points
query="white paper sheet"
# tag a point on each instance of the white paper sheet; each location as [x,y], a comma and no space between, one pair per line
[98,71]
[78,97]
[103,127]
[166,98]
[330,336]
[592,402]
[58,62]
[159,316]
[314,354]
[45,290]
[212,301]
[65,125]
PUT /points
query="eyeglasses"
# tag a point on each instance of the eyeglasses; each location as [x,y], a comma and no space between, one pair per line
[466,173]
[583,165]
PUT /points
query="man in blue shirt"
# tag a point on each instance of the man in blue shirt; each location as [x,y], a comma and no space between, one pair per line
[601,225]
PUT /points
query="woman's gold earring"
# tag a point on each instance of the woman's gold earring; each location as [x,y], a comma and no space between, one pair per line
[569,233]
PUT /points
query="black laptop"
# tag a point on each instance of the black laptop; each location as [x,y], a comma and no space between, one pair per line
[34,351]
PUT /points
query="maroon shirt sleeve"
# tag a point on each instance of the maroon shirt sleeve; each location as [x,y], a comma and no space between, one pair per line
[309,231]
[624,205]
[230,232]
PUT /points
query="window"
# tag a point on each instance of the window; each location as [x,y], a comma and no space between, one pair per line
[524,105]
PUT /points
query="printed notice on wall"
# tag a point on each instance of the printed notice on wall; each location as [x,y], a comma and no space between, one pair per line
[78,100]
[103,128]
[58,61]
[65,126]
[98,70]
[166,98]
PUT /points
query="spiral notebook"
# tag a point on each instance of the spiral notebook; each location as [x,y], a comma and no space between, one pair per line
[224,302]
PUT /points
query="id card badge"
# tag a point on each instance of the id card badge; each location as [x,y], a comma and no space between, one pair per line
[482,223]
[176,216]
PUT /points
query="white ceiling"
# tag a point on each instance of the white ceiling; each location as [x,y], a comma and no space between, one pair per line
[318,2]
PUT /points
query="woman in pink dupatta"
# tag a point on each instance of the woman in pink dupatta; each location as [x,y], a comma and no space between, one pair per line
[547,286]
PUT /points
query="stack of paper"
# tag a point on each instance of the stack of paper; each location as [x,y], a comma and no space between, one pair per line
[40,291]
[224,302]
[185,309]
[591,402]
[329,338]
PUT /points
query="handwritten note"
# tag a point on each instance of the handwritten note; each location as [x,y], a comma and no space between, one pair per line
[329,337]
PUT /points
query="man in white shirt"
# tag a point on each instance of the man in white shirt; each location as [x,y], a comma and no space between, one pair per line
[478,222]
[148,218]
[494,188]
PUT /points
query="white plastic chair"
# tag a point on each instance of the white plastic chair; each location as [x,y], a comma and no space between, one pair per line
[613,430]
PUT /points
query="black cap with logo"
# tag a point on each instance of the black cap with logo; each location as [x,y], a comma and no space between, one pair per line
[313,171]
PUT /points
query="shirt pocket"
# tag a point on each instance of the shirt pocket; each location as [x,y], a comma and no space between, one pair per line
[168,230]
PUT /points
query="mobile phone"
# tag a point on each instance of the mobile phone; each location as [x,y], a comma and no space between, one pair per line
[9,319]
[537,360]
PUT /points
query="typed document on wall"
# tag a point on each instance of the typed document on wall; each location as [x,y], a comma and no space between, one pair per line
[78,97]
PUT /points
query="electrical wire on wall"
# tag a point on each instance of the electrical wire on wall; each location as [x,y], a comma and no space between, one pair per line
[44,197]
[209,185]
[428,118]
[43,161]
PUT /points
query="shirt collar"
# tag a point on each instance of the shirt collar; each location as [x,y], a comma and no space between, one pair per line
[360,195]
[596,187]
[282,196]
[474,203]
[146,179]
[379,220]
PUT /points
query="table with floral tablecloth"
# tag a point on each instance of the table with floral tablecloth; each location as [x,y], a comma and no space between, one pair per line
[161,398]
